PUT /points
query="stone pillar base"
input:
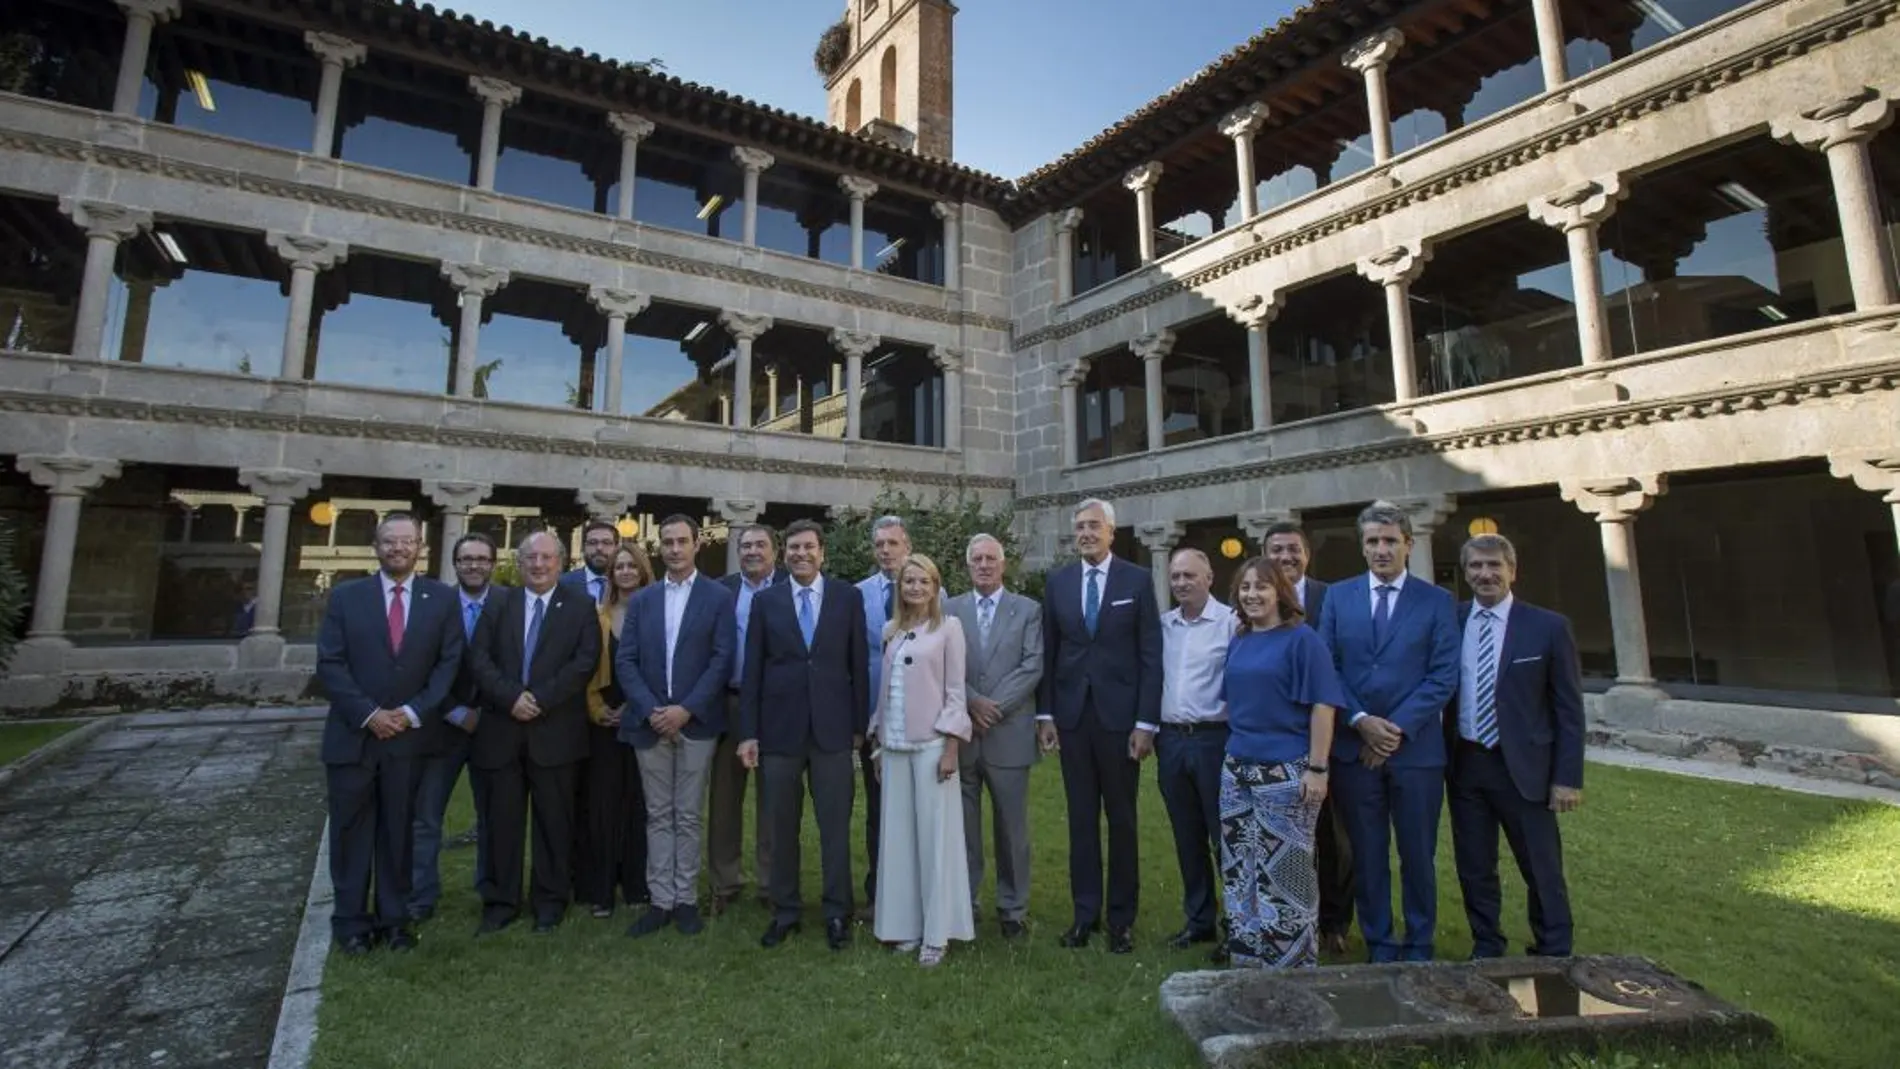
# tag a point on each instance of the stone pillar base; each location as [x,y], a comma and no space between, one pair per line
[260,651]
[1637,705]
[45,655]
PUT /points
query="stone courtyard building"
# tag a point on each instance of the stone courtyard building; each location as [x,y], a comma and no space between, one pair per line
[1615,278]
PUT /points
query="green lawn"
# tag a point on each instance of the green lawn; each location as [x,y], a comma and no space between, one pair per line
[18,740]
[1782,903]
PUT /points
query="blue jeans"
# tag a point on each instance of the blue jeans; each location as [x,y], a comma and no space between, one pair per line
[439,773]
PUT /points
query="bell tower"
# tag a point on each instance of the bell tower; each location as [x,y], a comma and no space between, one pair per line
[887,66]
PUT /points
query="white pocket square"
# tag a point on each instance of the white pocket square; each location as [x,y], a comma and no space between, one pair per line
[1124,601]
[1528,660]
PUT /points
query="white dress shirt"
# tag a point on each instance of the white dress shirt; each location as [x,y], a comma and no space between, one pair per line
[1194,660]
[1468,665]
[408,600]
[676,597]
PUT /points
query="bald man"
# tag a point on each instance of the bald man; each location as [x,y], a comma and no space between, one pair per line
[1193,738]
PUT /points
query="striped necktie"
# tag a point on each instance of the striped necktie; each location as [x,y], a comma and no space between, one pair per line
[1484,711]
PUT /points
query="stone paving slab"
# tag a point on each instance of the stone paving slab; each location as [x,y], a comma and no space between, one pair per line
[151,887]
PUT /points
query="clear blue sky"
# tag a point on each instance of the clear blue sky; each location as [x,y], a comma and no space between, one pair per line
[1034,78]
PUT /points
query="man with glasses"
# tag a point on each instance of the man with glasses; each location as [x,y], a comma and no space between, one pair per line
[599,540]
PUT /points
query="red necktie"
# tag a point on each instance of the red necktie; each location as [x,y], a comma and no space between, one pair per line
[395,619]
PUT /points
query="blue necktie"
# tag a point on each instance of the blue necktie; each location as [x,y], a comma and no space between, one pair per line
[983,618]
[534,639]
[887,600]
[598,588]
[1092,600]
[1484,691]
[471,612]
[1382,613]
[807,624]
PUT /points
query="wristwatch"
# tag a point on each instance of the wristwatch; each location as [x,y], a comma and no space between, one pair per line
[1321,769]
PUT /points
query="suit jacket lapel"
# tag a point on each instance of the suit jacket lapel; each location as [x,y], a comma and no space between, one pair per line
[1401,608]
[515,619]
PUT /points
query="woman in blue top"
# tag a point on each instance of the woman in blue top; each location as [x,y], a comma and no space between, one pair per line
[1281,692]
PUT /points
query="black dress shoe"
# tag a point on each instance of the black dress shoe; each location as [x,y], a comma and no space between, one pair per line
[356,946]
[1077,936]
[837,933]
[1120,941]
[651,921]
[778,933]
[491,925]
[1014,929]
[686,919]
[402,940]
[421,913]
[546,925]
[1187,937]
[1220,955]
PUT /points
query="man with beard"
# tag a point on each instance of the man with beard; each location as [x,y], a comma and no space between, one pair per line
[599,539]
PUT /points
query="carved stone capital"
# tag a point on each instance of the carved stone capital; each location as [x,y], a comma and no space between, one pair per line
[1617,498]
[155,10]
[1244,122]
[1855,117]
[1586,203]
[752,159]
[1877,473]
[744,327]
[946,211]
[1374,52]
[738,510]
[102,220]
[1255,310]
[1257,523]
[948,361]
[1428,512]
[630,127]
[1159,537]
[1143,178]
[853,342]
[603,504]
[1073,373]
[1068,219]
[335,50]
[307,251]
[475,280]
[456,495]
[1399,265]
[857,188]
[494,92]
[1153,345]
[623,303]
[67,476]
[282,487]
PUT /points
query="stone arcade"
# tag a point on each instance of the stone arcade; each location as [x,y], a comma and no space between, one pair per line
[1615,279]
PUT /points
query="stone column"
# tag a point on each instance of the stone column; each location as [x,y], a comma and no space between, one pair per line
[306,256]
[495,95]
[1142,180]
[1242,125]
[603,503]
[1841,129]
[858,189]
[67,480]
[745,329]
[755,161]
[475,283]
[1396,269]
[337,54]
[737,512]
[618,306]
[1254,312]
[105,225]
[1875,472]
[1256,524]
[1370,56]
[855,345]
[281,489]
[1615,502]
[1577,211]
[632,129]
[950,362]
[951,215]
[1152,348]
[1160,539]
[1073,376]
[1550,42]
[1426,514]
[140,17]
[1066,222]
[456,498]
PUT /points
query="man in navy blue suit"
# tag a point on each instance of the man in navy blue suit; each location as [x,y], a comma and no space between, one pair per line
[599,540]
[725,804]
[1394,640]
[673,664]
[1101,702]
[387,654]
[804,709]
[1516,735]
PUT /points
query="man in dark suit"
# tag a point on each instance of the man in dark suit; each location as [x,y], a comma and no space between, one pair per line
[725,806]
[673,663]
[473,557]
[387,655]
[1101,702]
[1394,641]
[1286,546]
[599,540]
[890,545]
[535,650]
[1516,735]
[805,709]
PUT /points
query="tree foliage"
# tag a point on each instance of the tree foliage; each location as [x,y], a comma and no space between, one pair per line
[13,595]
[940,530]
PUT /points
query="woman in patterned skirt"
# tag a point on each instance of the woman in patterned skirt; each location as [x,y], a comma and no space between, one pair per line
[1281,692]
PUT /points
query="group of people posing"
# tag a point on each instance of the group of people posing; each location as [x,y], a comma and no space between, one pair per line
[1297,731]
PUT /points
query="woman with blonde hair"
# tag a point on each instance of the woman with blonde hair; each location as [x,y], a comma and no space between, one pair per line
[923,877]
[612,852]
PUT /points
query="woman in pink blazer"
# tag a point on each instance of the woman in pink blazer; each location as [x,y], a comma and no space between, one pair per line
[923,877]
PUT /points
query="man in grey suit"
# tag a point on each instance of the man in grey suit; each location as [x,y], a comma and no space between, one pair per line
[1004,665]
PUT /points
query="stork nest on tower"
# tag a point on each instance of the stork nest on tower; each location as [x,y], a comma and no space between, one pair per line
[834,47]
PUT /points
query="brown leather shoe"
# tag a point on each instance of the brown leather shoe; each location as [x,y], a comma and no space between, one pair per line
[1332,943]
